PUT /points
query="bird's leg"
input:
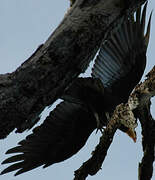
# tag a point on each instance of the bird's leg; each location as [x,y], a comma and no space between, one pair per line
[99,126]
[107,116]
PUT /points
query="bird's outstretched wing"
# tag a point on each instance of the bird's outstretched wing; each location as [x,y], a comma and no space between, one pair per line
[61,135]
[122,58]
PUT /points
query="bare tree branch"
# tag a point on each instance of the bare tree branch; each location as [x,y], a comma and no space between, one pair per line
[148,142]
[93,165]
[144,92]
[138,102]
[148,127]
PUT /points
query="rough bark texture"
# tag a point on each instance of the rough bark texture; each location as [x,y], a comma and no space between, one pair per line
[93,165]
[148,143]
[148,127]
[41,79]
[139,102]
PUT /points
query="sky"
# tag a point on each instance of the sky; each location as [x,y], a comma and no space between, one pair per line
[24,25]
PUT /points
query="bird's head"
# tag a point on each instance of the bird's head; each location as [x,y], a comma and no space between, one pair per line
[130,132]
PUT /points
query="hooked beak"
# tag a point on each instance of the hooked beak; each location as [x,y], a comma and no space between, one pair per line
[132,134]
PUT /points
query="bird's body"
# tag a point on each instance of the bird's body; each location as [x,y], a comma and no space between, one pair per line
[118,68]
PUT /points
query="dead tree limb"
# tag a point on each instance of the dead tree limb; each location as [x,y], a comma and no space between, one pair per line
[41,79]
[93,165]
[148,143]
[138,102]
[143,92]
[148,128]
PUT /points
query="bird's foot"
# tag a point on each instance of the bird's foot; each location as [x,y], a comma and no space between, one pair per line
[99,125]
[101,129]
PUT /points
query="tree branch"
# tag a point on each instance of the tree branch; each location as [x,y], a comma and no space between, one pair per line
[137,102]
[148,128]
[41,79]
[148,143]
[93,165]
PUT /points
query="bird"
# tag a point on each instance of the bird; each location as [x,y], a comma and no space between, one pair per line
[88,102]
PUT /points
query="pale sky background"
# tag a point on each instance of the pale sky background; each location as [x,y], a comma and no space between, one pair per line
[24,25]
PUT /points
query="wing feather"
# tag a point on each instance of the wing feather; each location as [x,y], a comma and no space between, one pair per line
[61,135]
[122,58]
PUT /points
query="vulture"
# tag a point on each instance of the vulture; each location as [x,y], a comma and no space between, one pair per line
[88,102]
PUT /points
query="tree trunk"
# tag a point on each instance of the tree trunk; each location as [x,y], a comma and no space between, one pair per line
[41,79]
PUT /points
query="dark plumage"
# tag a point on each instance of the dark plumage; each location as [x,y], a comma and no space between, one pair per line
[118,68]
[72,2]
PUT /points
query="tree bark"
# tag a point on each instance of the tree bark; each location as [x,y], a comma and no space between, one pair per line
[42,78]
[148,128]
[148,143]
[139,102]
